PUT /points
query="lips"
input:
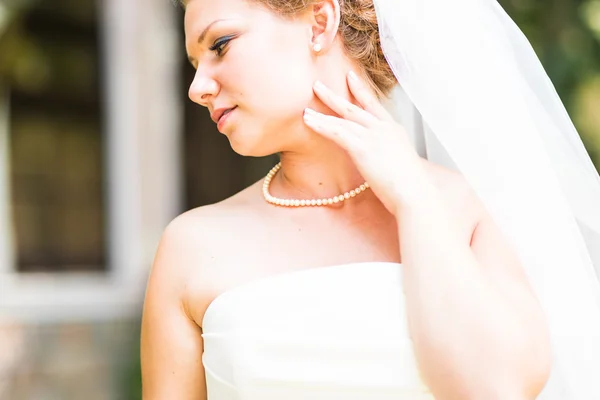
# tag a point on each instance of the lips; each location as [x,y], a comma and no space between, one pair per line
[219,113]
[224,118]
[227,112]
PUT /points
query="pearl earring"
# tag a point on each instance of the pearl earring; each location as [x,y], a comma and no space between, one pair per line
[317,47]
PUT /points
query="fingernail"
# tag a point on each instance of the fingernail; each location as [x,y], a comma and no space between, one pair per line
[353,75]
[319,85]
[309,111]
[310,119]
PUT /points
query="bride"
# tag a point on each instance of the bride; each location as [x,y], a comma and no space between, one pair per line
[430,231]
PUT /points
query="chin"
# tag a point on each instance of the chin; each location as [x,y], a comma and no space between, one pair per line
[250,145]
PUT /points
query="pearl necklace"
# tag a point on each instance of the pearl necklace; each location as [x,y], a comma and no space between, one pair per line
[305,203]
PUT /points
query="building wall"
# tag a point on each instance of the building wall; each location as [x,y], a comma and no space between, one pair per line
[73,361]
[74,335]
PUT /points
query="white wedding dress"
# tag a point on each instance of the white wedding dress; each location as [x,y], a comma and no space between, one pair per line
[331,333]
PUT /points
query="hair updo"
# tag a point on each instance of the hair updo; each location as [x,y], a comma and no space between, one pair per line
[359,31]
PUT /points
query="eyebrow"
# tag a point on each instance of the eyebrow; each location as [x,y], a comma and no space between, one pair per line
[205,31]
[202,36]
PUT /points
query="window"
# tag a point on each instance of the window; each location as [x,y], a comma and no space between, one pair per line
[90,129]
[55,139]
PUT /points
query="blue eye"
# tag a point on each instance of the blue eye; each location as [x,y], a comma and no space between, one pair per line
[220,44]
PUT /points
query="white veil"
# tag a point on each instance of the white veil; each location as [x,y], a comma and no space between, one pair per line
[475,96]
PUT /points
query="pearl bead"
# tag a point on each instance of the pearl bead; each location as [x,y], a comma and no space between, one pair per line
[305,202]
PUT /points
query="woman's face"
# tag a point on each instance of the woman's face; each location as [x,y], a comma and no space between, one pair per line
[255,62]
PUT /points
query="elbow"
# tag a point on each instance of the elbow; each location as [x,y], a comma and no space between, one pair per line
[519,378]
[522,388]
[527,378]
[529,369]
[537,378]
[537,365]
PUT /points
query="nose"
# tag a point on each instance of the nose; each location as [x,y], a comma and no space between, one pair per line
[202,89]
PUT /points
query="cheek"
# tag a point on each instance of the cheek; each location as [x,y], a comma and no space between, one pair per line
[275,77]
[282,87]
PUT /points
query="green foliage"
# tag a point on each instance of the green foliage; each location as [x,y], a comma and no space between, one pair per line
[566,37]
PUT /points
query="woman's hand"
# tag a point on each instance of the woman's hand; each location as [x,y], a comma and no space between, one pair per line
[378,145]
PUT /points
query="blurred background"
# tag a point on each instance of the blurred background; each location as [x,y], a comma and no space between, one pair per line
[100,148]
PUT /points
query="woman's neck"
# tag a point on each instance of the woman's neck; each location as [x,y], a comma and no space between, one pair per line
[321,172]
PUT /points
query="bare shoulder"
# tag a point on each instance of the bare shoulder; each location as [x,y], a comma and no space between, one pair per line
[195,245]
[179,289]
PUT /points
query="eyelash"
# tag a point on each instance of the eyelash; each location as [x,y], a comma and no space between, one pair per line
[219,44]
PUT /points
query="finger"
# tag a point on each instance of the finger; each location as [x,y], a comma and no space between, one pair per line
[343,107]
[365,97]
[345,133]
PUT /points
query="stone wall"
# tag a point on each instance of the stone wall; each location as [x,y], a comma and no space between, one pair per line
[83,361]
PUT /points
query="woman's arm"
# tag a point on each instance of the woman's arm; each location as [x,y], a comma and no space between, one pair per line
[478,329]
[171,342]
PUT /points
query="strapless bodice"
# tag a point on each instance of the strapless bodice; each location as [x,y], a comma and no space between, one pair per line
[331,333]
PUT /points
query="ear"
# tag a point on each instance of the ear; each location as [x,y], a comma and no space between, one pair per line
[325,22]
